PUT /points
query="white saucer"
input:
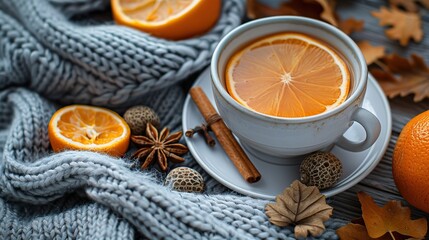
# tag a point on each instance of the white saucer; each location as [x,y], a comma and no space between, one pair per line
[356,165]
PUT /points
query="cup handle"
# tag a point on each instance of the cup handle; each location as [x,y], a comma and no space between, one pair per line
[372,129]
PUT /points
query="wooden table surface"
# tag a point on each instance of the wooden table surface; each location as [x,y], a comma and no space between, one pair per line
[379,183]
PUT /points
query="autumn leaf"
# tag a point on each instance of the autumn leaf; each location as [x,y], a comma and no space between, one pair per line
[303,206]
[409,5]
[251,8]
[255,9]
[404,25]
[370,52]
[425,3]
[328,13]
[392,217]
[351,25]
[401,77]
[317,9]
[353,231]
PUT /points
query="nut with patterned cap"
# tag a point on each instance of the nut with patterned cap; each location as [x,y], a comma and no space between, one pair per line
[184,179]
[138,116]
[320,169]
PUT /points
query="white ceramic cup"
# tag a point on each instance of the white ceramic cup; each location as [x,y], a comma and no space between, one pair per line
[281,137]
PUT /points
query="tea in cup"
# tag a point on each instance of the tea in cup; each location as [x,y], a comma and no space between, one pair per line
[288,75]
[287,86]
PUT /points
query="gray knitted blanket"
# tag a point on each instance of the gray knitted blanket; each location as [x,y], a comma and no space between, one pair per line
[60,52]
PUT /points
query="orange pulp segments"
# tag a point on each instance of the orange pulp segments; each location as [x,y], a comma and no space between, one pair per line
[288,75]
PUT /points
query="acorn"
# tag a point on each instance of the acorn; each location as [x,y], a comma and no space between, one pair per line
[184,179]
[138,116]
[320,169]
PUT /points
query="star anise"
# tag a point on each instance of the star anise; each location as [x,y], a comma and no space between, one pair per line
[161,146]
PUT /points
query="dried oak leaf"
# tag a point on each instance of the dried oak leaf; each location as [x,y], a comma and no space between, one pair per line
[392,217]
[351,25]
[405,25]
[370,52]
[409,5]
[412,76]
[303,206]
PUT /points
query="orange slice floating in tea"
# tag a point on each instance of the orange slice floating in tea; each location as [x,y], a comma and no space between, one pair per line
[171,19]
[80,127]
[288,75]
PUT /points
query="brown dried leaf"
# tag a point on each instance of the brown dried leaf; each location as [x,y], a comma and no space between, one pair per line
[392,217]
[251,9]
[409,5]
[256,9]
[405,25]
[412,76]
[328,13]
[351,25]
[425,3]
[370,52]
[317,9]
[357,231]
[303,206]
[308,8]
[353,231]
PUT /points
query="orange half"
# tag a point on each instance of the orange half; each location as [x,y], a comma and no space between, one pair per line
[288,75]
[80,127]
[171,19]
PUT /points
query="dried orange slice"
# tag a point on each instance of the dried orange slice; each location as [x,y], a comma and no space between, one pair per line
[80,127]
[288,75]
[171,19]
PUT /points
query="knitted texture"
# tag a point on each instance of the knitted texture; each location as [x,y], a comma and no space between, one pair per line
[60,52]
[31,174]
[104,65]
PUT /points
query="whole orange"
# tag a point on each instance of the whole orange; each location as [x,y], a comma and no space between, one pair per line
[410,163]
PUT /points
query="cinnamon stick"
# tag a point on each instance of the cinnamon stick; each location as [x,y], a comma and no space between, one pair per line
[225,137]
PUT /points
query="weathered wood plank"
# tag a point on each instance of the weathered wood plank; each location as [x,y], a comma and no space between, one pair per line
[379,183]
[361,9]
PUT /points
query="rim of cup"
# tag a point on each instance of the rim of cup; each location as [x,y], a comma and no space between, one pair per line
[278,19]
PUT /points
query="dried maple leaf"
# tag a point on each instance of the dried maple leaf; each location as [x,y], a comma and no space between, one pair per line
[351,25]
[303,206]
[392,217]
[409,5]
[370,52]
[405,25]
[412,76]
